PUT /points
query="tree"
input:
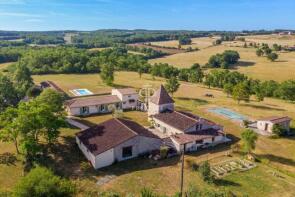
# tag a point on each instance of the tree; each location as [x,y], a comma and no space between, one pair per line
[259,52]
[9,130]
[184,40]
[107,74]
[228,89]
[217,42]
[172,85]
[8,94]
[53,99]
[287,90]
[140,71]
[205,172]
[22,79]
[272,56]
[249,138]
[195,74]
[278,130]
[277,47]
[42,182]
[241,92]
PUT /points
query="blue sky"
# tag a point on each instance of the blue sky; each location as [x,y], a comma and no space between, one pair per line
[146,14]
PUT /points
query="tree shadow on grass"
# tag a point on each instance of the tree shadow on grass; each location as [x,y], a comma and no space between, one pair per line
[243,64]
[223,182]
[278,159]
[119,86]
[195,100]
[8,159]
[262,107]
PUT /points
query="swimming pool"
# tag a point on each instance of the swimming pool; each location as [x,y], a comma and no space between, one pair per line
[81,92]
[228,113]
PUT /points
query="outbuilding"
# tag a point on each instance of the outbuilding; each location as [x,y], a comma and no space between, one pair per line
[266,124]
[116,140]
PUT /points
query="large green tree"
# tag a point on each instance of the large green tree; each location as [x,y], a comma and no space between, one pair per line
[9,129]
[107,73]
[172,85]
[249,138]
[22,79]
[241,92]
[8,93]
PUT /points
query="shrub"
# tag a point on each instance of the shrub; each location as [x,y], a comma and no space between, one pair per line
[205,172]
[192,164]
[278,130]
[42,182]
[146,192]
[246,123]
[163,152]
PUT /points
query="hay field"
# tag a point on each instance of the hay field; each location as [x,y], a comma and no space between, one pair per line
[251,65]
[284,40]
[200,43]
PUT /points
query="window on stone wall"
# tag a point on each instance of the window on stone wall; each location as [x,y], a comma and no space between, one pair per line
[127,152]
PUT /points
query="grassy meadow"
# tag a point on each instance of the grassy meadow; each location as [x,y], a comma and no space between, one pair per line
[249,64]
[5,65]
[163,176]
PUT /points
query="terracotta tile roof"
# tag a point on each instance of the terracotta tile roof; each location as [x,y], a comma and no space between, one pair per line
[93,100]
[161,96]
[196,136]
[110,134]
[126,91]
[276,119]
[181,120]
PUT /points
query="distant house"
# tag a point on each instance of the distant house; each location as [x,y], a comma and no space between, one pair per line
[128,96]
[266,124]
[92,105]
[115,140]
[186,131]
[120,99]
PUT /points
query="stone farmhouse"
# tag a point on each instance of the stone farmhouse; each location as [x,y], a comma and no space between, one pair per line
[120,139]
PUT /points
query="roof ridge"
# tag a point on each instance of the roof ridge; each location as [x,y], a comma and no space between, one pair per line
[117,119]
[186,116]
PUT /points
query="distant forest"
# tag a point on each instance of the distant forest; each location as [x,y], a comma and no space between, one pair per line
[106,38]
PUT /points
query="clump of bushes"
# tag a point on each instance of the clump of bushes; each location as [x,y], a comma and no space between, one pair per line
[205,172]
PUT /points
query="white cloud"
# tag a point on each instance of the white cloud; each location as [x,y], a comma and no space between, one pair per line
[20,14]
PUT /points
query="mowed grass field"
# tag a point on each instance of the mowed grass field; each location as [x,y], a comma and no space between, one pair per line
[251,65]
[163,176]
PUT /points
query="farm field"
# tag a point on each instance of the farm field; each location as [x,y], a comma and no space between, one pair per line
[200,43]
[284,40]
[249,64]
[163,176]
[165,50]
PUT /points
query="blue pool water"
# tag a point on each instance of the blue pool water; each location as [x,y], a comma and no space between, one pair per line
[81,92]
[228,113]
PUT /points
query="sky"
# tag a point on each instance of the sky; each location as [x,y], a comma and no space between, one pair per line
[40,15]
